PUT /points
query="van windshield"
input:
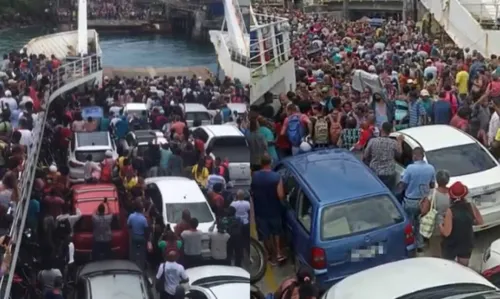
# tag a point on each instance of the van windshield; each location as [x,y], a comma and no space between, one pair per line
[234,148]
[201,116]
[358,216]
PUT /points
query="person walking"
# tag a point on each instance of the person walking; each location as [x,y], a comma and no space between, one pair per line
[381,153]
[171,274]
[218,245]
[441,204]
[458,225]
[192,245]
[242,208]
[267,192]
[417,180]
[139,236]
[101,224]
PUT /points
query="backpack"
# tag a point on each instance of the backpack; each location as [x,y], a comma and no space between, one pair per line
[321,131]
[218,118]
[63,227]
[171,246]
[106,172]
[294,130]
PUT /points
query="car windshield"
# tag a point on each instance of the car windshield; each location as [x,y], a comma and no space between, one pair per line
[199,210]
[117,286]
[234,148]
[461,160]
[358,216]
[202,116]
[136,112]
[141,149]
[92,139]
[97,156]
[453,291]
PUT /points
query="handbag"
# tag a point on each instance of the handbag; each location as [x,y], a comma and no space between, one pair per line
[160,282]
[428,221]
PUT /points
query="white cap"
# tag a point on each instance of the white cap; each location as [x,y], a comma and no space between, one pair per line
[372,68]
[424,93]
[109,154]
[53,168]
[8,93]
[305,147]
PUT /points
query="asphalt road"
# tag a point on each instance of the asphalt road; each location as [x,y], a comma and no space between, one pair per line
[274,275]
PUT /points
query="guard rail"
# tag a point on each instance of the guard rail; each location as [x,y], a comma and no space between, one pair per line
[63,75]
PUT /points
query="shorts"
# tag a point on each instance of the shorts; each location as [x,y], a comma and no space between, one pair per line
[267,227]
[452,253]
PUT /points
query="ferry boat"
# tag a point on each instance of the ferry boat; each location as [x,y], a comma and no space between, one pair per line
[260,57]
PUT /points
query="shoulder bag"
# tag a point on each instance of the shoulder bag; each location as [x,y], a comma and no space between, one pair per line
[428,221]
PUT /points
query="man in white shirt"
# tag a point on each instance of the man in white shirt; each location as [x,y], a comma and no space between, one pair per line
[172,274]
[494,121]
[9,101]
[26,135]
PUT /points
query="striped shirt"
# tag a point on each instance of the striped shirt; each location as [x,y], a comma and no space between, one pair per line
[415,111]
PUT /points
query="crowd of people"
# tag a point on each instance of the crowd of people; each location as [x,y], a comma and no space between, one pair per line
[52,216]
[409,79]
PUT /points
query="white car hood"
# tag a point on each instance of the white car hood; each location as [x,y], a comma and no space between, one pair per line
[480,182]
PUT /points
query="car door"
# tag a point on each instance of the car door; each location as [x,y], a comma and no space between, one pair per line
[293,231]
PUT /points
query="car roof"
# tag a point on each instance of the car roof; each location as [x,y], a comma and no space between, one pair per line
[87,197]
[92,140]
[178,189]
[335,175]
[201,272]
[194,107]
[435,137]
[136,106]
[222,130]
[227,290]
[239,107]
[430,272]
[108,265]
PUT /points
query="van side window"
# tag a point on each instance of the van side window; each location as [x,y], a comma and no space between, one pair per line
[304,211]
[292,188]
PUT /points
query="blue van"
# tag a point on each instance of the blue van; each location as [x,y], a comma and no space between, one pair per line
[340,218]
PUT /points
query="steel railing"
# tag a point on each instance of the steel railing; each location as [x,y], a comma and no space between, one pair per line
[63,75]
[270,45]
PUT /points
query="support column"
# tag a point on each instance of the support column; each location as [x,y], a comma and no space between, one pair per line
[83,41]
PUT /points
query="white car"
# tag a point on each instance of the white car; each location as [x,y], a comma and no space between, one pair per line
[227,141]
[137,109]
[195,111]
[466,160]
[415,278]
[84,144]
[218,282]
[172,195]
[139,140]
[490,265]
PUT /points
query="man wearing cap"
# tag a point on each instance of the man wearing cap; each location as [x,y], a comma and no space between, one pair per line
[416,111]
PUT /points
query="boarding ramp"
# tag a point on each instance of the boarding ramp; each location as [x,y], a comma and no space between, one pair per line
[469,23]
[70,75]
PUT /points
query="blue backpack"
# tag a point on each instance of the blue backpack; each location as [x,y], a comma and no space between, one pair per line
[295,130]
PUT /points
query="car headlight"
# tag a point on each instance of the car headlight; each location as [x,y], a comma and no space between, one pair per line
[486,254]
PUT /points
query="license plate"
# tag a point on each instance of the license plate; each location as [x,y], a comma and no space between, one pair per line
[367,253]
[485,199]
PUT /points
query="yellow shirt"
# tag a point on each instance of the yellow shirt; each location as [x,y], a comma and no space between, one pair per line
[202,178]
[461,80]
[130,184]
[497,136]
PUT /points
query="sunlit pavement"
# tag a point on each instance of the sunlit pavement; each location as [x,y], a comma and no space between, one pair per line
[275,275]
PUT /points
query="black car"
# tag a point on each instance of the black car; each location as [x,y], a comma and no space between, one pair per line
[112,279]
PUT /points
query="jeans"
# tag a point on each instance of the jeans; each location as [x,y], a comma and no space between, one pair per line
[412,209]
[138,250]
[389,181]
[101,250]
[235,250]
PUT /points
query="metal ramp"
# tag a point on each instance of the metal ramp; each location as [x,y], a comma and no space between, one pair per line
[469,23]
